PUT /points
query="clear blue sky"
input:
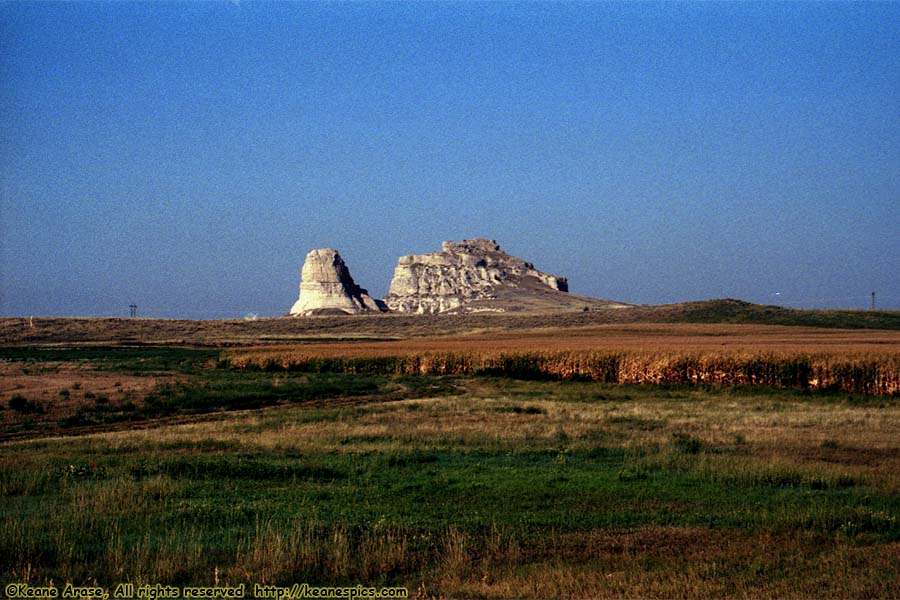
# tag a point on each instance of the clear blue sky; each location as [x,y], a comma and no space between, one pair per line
[186,156]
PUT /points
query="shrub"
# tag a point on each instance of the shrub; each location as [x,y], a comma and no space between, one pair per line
[686,444]
[24,406]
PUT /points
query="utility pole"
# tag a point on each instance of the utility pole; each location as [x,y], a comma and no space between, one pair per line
[133,308]
[873,300]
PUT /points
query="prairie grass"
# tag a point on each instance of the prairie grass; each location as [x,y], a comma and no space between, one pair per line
[512,489]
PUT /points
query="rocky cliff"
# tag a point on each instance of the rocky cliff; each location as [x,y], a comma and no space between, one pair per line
[472,275]
[326,287]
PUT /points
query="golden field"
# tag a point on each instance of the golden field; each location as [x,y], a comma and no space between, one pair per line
[854,361]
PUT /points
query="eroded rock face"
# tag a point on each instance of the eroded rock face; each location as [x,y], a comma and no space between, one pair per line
[326,287]
[461,275]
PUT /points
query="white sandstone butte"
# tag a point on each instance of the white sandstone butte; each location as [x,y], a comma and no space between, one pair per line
[326,287]
[465,277]
[472,275]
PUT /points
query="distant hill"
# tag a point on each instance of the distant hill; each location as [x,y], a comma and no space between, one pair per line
[737,311]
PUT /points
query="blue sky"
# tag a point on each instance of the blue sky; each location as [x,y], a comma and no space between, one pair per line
[186,156]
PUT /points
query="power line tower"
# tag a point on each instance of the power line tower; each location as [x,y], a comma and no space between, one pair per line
[133,308]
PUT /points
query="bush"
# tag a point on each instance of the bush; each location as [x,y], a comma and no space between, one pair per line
[24,406]
[686,444]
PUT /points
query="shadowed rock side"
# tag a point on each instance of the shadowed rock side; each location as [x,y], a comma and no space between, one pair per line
[326,287]
[474,276]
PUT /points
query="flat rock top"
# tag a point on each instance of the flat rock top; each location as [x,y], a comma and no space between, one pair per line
[469,253]
[471,245]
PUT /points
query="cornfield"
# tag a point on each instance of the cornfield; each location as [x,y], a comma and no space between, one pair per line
[863,373]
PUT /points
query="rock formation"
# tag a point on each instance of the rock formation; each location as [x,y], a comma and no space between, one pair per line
[326,287]
[471,275]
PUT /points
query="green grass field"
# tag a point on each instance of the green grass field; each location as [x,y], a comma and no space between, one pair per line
[455,486]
